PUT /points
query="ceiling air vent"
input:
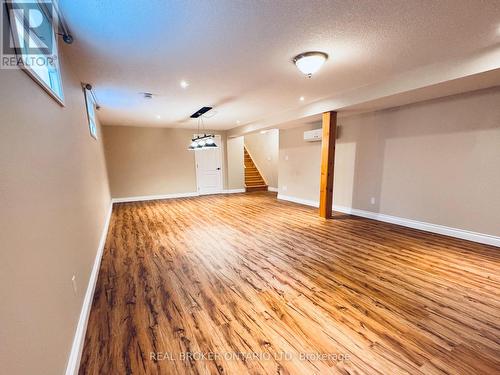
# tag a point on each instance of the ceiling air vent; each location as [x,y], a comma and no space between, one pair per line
[200,112]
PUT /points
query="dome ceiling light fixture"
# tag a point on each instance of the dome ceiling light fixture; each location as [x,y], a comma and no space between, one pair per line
[310,62]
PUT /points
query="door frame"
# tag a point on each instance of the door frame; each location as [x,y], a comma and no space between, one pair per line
[218,141]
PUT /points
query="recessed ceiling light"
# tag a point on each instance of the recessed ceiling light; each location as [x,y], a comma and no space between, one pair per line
[263,131]
[238,122]
[184,84]
[301,98]
[158,117]
[310,62]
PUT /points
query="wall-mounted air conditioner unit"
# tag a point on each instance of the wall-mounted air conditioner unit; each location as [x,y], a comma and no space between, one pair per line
[313,135]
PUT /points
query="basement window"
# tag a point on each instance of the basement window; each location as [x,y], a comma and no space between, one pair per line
[33,43]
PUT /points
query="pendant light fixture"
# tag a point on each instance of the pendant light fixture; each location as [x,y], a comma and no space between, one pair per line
[310,62]
[210,143]
[202,142]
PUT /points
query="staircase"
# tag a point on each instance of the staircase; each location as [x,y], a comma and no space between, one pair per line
[253,179]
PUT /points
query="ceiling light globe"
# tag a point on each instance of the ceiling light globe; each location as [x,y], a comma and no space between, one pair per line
[310,62]
[210,141]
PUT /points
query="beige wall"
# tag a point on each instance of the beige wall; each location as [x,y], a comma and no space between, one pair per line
[436,161]
[264,149]
[235,163]
[151,161]
[54,199]
[299,164]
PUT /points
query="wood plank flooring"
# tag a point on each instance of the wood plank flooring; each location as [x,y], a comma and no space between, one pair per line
[247,284]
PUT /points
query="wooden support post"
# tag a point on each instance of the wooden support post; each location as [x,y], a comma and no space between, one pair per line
[327,164]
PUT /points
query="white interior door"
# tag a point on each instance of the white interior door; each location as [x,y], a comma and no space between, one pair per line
[209,169]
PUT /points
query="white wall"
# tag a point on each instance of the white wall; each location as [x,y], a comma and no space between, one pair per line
[235,163]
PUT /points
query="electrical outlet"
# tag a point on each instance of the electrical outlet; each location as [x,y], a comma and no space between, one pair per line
[73,281]
[372,200]
[286,157]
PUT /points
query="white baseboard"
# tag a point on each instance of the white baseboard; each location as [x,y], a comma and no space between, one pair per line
[233,191]
[171,196]
[307,202]
[421,225]
[81,328]
[153,197]
[270,188]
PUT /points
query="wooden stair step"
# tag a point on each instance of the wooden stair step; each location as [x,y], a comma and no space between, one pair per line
[254,179]
[256,188]
[257,183]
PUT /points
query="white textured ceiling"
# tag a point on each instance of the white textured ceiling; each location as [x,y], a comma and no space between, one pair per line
[236,55]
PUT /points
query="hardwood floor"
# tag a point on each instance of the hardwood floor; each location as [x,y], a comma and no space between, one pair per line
[247,284]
